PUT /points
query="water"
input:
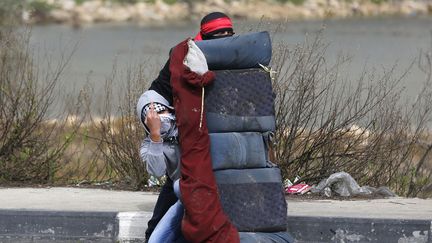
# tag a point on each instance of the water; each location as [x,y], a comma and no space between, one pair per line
[376,43]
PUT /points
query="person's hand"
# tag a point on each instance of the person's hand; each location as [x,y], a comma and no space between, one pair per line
[154,124]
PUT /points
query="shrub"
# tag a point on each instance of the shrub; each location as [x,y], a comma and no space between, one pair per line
[328,123]
[31,147]
[10,10]
[119,131]
[79,2]
[40,9]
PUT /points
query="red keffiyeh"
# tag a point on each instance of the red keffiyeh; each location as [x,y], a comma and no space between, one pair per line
[204,219]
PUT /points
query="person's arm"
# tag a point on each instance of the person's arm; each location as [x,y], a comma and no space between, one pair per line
[152,154]
[152,148]
[162,84]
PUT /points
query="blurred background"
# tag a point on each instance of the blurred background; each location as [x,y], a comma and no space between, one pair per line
[375,34]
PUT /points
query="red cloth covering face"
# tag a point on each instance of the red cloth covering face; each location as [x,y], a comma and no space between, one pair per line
[204,219]
[216,24]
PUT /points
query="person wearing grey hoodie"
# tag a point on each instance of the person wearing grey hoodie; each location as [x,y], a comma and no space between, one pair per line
[159,150]
[163,156]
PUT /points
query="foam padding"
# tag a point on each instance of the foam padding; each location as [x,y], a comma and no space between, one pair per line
[237,150]
[237,52]
[240,101]
[253,199]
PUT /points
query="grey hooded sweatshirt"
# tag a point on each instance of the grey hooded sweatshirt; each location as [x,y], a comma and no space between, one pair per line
[160,157]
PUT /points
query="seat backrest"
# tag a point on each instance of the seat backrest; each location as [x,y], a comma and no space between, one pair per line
[240,101]
[235,52]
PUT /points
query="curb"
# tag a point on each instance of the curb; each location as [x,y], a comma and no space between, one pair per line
[132,226]
[74,226]
[57,226]
[338,229]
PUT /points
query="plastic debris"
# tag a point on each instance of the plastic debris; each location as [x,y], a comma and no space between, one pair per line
[300,188]
[153,181]
[287,183]
[344,185]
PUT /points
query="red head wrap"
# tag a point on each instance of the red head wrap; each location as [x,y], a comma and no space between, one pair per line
[214,25]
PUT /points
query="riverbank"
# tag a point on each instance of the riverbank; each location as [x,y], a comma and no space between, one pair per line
[79,12]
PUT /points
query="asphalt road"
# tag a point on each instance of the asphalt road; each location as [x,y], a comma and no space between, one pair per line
[98,200]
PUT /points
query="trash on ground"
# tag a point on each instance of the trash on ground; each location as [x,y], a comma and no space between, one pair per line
[153,181]
[344,185]
[300,188]
[287,183]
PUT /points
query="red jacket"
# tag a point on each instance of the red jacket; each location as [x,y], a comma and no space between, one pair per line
[204,219]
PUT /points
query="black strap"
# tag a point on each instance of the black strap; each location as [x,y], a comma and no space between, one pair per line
[268,143]
[172,140]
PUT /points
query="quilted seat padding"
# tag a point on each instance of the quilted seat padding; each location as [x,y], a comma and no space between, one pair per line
[240,101]
[253,199]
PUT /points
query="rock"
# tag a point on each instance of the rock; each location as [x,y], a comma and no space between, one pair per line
[311,5]
[104,14]
[178,11]
[67,5]
[120,14]
[149,14]
[367,9]
[334,4]
[81,15]
[161,7]
[60,15]
[92,6]
[321,3]
[137,10]
[142,12]
[355,8]
[388,9]
[219,3]
[88,12]
[413,8]
[26,16]
[108,10]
